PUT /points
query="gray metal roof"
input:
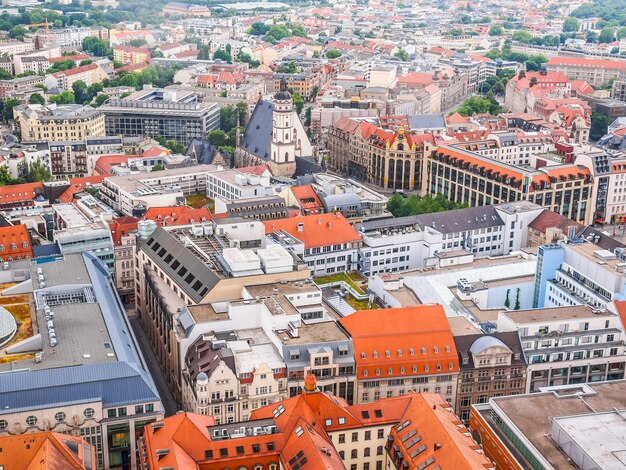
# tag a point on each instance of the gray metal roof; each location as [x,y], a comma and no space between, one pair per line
[341,200]
[461,220]
[427,121]
[257,137]
[115,383]
[485,342]
[168,252]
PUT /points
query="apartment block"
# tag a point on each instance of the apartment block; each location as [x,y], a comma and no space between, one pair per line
[180,267]
[326,242]
[65,122]
[491,365]
[134,194]
[568,345]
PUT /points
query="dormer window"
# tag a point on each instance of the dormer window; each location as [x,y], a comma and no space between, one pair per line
[362,355]
[399,352]
[377,371]
[447,348]
[436,349]
[412,352]
[375,354]
[387,353]
[423,350]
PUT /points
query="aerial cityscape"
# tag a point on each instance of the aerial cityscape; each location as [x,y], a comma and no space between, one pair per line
[312,234]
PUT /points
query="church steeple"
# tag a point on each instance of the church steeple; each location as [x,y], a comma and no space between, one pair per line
[283,94]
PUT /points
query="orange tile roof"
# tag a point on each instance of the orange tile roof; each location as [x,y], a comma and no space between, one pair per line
[409,341]
[17,193]
[307,199]
[68,195]
[15,236]
[103,164]
[177,215]
[122,226]
[87,181]
[44,450]
[317,230]
[156,151]
[257,170]
[442,437]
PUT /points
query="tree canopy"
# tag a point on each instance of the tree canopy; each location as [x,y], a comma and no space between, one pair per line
[400,206]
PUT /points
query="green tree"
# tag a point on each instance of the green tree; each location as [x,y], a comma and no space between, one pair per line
[571,25]
[96,47]
[17,32]
[218,138]
[7,108]
[80,91]
[37,172]
[522,36]
[62,65]
[66,97]
[36,98]
[333,53]
[137,42]
[158,167]
[85,62]
[496,30]
[507,301]
[621,33]
[599,125]
[221,54]
[479,105]
[298,102]
[402,55]
[400,207]
[517,304]
[100,99]
[258,29]
[607,34]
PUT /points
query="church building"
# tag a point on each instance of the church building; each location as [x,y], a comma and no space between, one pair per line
[274,136]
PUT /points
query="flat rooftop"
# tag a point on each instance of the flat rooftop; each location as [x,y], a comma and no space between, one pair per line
[596,254]
[601,436]
[532,414]
[541,315]
[151,180]
[324,332]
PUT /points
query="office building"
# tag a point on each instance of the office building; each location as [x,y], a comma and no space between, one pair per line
[93,385]
[576,426]
[174,115]
[469,178]
[400,350]
[58,122]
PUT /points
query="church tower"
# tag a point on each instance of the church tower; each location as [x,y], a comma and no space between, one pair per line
[284,134]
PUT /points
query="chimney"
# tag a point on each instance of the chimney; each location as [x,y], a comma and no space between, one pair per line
[300,227]
[437,446]
[330,225]
[319,221]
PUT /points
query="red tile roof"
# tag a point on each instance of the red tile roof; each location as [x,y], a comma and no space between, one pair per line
[75,57]
[443,439]
[76,70]
[86,181]
[550,219]
[257,170]
[316,230]
[407,341]
[122,226]
[591,63]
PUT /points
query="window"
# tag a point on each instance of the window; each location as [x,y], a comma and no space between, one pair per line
[3,424]
[60,417]
[89,412]
[354,454]
[366,452]
[112,413]
[379,450]
[121,411]
[149,408]
[31,420]
[355,437]
[329,422]
[138,409]
[342,438]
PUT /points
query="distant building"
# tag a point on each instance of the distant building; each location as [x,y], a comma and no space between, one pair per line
[274,136]
[131,55]
[174,115]
[58,123]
